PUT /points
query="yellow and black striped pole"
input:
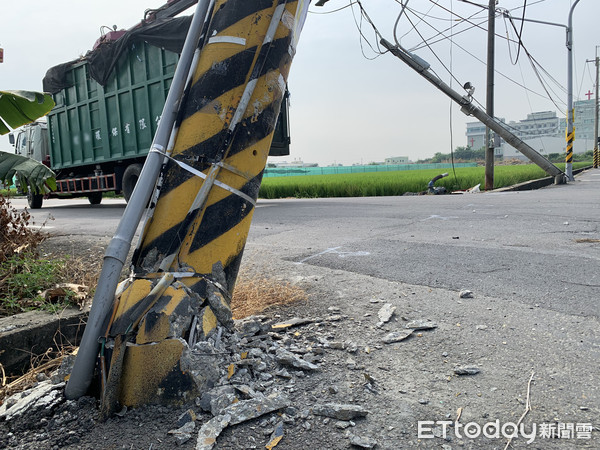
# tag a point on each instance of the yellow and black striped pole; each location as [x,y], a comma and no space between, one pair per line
[185,267]
[570,137]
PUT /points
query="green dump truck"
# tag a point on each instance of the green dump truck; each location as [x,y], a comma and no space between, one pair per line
[108,105]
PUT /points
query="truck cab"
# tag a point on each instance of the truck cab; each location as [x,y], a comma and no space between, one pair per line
[32,141]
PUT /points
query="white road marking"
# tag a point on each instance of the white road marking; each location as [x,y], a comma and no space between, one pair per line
[335,251]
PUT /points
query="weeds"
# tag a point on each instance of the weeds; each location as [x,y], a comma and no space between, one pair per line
[23,274]
[254,294]
[24,278]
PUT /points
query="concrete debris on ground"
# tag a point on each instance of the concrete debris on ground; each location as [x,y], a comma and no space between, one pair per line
[385,313]
[421,324]
[467,370]
[396,336]
[42,395]
[362,441]
[253,369]
[465,293]
[276,436]
[291,323]
[339,411]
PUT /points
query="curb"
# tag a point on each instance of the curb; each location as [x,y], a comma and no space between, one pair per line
[23,337]
[535,184]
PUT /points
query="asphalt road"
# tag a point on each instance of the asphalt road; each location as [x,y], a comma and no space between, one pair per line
[540,247]
[536,247]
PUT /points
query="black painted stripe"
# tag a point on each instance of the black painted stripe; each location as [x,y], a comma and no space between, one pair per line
[224,215]
[233,11]
[230,73]
[203,154]
[248,133]
[220,213]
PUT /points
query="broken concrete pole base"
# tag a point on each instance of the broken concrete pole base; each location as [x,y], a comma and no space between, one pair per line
[164,346]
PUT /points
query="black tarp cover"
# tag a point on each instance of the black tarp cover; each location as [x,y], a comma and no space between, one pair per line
[167,33]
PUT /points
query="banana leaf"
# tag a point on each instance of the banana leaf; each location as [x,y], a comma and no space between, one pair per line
[29,173]
[22,107]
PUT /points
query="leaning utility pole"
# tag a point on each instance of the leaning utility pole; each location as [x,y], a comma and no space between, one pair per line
[422,67]
[570,112]
[489,104]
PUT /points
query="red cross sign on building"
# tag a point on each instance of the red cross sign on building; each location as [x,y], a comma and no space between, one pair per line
[589,94]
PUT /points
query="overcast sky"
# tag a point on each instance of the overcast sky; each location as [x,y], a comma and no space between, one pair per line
[347,108]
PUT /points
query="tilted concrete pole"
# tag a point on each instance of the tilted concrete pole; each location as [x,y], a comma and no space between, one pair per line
[205,204]
[119,246]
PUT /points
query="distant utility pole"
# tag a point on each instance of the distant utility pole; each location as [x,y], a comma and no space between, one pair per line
[596,106]
[489,105]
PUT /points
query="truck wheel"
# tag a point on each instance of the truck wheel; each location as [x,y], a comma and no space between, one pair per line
[95,198]
[130,178]
[34,200]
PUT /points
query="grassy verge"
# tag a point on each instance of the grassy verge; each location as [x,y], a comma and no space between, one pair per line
[394,183]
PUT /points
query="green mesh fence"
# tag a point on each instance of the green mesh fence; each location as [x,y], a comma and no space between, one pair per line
[332,170]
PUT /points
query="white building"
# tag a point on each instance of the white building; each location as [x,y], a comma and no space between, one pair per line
[544,131]
[397,160]
[476,134]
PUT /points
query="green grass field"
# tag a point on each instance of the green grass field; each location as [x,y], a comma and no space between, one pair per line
[395,183]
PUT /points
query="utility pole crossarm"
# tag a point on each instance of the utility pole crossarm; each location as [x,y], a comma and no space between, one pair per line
[467,106]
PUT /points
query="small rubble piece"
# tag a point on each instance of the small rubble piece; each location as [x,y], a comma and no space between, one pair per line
[237,413]
[351,347]
[466,370]
[385,313]
[396,336]
[421,324]
[249,326]
[276,436]
[337,345]
[288,358]
[343,424]
[210,431]
[186,417]
[362,441]
[339,411]
[291,323]
[465,293]
[183,433]
[44,395]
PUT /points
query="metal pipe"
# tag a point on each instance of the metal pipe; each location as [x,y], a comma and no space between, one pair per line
[118,249]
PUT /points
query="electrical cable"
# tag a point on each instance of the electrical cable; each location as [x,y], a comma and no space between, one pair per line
[473,25]
[421,19]
[364,14]
[521,31]
[530,106]
[497,71]
[534,64]
[404,5]
[432,51]
[333,11]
